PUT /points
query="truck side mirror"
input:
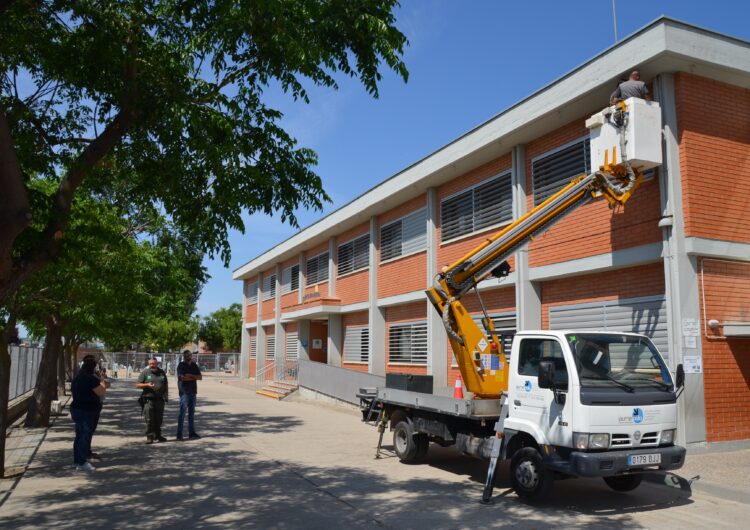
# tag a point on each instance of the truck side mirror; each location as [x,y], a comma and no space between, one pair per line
[546,375]
[680,377]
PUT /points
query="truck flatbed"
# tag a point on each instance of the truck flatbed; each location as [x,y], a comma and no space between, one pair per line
[479,409]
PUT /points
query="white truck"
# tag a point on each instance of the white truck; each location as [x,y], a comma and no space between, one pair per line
[566,403]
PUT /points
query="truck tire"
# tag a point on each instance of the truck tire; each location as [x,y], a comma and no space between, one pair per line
[423,444]
[530,478]
[404,442]
[624,482]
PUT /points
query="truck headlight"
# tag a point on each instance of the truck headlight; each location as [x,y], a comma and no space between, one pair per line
[599,441]
[584,440]
[667,437]
[581,440]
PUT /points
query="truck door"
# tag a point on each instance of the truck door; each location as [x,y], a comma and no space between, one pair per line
[537,406]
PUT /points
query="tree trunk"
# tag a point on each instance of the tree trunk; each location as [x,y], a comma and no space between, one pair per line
[61,369]
[4,389]
[46,381]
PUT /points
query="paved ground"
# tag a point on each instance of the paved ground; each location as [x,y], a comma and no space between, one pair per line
[296,464]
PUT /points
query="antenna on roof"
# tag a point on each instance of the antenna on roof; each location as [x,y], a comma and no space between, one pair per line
[614,18]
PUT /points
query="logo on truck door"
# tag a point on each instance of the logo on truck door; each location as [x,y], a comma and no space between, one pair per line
[527,386]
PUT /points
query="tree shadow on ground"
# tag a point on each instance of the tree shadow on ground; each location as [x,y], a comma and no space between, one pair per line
[207,484]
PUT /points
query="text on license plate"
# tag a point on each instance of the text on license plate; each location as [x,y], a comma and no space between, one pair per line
[644,460]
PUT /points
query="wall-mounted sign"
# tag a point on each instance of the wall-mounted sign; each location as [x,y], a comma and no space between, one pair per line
[317,344]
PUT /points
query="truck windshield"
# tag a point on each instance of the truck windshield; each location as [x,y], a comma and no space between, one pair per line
[625,361]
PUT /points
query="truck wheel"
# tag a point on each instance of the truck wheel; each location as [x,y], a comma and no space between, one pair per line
[404,443]
[529,476]
[423,444]
[624,482]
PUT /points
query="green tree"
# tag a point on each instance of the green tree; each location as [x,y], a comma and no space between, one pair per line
[222,329]
[106,283]
[210,333]
[162,102]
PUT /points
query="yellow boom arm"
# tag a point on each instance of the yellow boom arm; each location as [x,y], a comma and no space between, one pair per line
[479,354]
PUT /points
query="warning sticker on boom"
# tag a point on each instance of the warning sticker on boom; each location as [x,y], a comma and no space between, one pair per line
[482,344]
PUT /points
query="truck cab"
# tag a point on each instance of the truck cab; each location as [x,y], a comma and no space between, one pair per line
[585,403]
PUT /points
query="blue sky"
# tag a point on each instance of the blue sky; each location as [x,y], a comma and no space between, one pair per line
[468,61]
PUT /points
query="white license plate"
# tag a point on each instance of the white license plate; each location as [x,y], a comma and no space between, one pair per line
[644,460]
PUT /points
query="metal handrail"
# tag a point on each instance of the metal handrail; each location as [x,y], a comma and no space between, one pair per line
[265,373]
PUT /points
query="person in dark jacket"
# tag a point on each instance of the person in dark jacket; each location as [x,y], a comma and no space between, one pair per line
[188,375]
[87,390]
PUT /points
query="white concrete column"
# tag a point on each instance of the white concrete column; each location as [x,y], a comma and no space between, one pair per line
[437,339]
[335,339]
[279,331]
[376,316]
[302,277]
[244,338]
[260,345]
[528,293]
[303,335]
[681,277]
[333,258]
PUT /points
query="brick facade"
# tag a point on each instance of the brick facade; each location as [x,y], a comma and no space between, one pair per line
[725,289]
[714,136]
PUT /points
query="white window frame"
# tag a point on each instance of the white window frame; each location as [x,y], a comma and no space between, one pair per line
[292,338]
[251,292]
[502,174]
[422,357]
[400,220]
[353,242]
[553,152]
[269,287]
[308,283]
[353,338]
[288,278]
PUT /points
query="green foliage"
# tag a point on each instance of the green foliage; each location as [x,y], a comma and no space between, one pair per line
[161,102]
[110,284]
[222,330]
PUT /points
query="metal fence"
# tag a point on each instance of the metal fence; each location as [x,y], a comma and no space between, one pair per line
[24,366]
[130,365]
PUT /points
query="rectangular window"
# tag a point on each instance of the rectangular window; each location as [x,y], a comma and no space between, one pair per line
[251,292]
[354,255]
[407,343]
[552,172]
[292,347]
[487,204]
[405,236]
[357,345]
[269,287]
[532,351]
[253,347]
[317,269]
[290,279]
[270,347]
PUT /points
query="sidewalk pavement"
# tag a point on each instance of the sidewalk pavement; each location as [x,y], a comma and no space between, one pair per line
[300,464]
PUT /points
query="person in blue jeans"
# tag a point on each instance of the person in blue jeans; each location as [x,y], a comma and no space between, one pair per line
[87,389]
[188,374]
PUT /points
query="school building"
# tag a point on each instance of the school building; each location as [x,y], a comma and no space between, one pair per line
[674,263]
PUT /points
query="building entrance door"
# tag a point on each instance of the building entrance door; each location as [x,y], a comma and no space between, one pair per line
[318,348]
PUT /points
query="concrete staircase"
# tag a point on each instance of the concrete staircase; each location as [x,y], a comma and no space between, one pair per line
[277,389]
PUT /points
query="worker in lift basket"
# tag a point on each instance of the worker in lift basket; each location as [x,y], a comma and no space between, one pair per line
[632,88]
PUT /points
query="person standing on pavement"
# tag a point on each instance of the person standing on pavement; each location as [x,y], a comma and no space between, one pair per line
[87,390]
[101,374]
[188,373]
[153,382]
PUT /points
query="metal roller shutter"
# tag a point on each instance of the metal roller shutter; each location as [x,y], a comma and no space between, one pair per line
[551,172]
[270,347]
[407,343]
[646,315]
[253,347]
